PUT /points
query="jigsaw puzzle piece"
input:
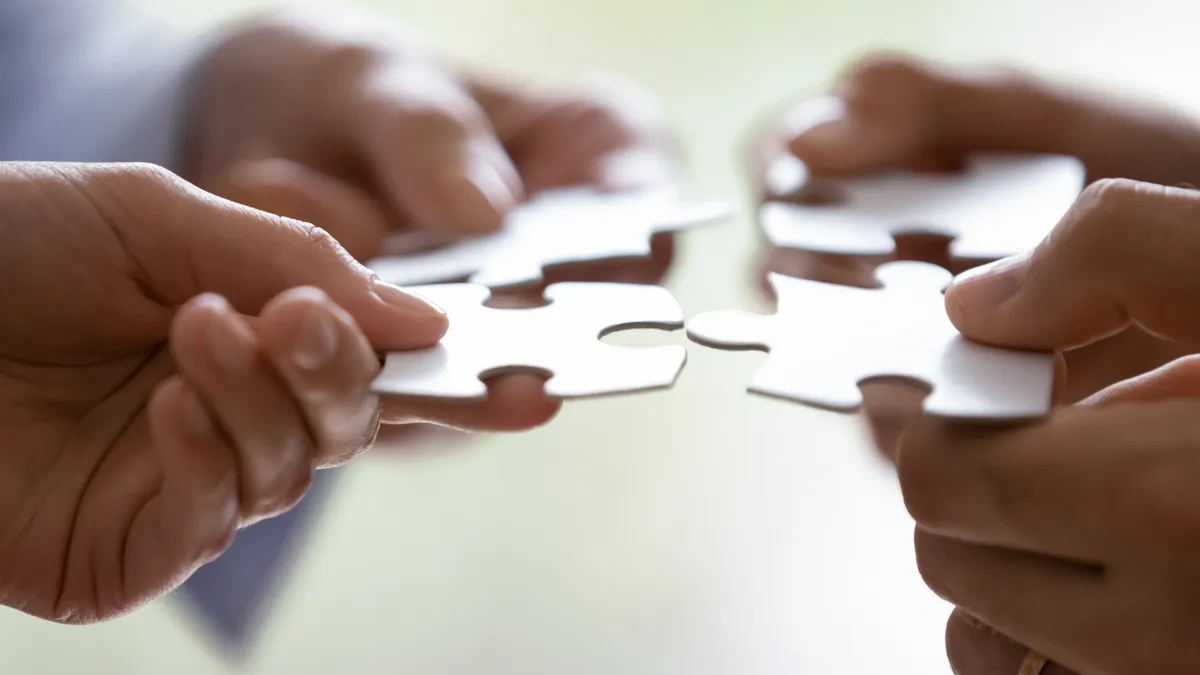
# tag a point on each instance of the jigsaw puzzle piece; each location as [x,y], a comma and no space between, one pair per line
[1020,383]
[560,340]
[825,340]
[567,226]
[607,369]
[732,330]
[456,261]
[606,308]
[1001,205]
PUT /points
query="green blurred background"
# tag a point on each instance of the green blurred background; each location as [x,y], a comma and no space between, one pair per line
[684,533]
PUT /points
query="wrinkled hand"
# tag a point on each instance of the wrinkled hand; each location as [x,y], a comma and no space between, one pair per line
[1078,536]
[894,112]
[174,367]
[340,118]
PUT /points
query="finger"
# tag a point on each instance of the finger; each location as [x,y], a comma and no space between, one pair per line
[514,403]
[1179,379]
[976,649]
[1123,255]
[1130,354]
[194,516]
[182,241]
[293,190]
[609,135]
[1042,602]
[900,112]
[433,149]
[1066,486]
[219,355]
[327,366]
[882,114]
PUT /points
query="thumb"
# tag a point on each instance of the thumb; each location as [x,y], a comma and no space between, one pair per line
[881,116]
[1124,254]
[183,241]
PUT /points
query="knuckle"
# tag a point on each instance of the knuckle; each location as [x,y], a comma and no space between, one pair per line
[1101,207]
[283,492]
[318,241]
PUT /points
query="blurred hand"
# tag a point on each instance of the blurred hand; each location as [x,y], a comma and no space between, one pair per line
[1076,536]
[894,112]
[174,367]
[340,118]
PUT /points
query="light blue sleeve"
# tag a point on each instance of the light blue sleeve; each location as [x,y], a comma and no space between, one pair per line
[91,81]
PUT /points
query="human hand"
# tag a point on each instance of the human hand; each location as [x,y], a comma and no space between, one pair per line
[174,367]
[341,118]
[890,112]
[1077,535]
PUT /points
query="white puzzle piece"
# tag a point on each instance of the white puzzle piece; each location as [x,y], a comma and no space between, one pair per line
[826,339]
[565,226]
[561,339]
[999,205]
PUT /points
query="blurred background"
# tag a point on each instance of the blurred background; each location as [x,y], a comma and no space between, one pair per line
[691,532]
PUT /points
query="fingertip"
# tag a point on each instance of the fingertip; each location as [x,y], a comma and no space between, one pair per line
[477,198]
[974,649]
[408,320]
[975,298]
[519,403]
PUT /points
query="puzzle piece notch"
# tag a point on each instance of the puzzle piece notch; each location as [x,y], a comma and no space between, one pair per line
[560,340]
[561,227]
[825,340]
[1000,205]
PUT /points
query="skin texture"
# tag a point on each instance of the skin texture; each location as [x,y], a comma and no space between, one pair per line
[1075,536]
[340,118]
[196,360]
[170,383]
[891,111]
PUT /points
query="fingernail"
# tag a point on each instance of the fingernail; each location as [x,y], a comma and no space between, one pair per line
[316,339]
[233,347]
[402,299]
[988,286]
[195,415]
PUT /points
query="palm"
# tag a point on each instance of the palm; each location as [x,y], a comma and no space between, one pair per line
[83,358]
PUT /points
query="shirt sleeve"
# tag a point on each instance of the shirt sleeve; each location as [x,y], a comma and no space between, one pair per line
[91,81]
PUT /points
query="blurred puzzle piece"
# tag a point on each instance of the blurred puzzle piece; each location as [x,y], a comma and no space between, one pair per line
[999,205]
[560,339]
[826,339]
[560,227]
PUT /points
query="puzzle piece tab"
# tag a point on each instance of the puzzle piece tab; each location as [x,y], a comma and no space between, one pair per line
[1000,205]
[565,226]
[561,339]
[826,339]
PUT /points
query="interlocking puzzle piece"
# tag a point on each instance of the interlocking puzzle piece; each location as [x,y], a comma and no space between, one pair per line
[826,339]
[561,339]
[565,226]
[998,206]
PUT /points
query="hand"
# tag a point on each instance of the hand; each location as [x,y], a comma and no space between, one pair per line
[340,118]
[890,111]
[174,367]
[1078,536]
